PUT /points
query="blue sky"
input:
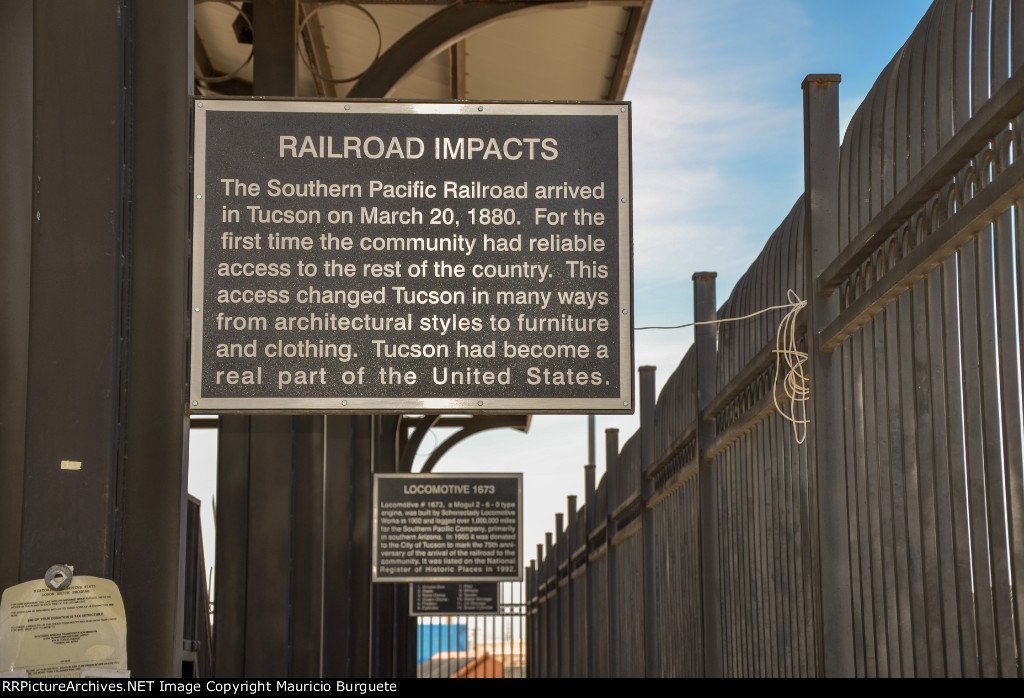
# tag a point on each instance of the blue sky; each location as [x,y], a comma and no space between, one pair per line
[717,164]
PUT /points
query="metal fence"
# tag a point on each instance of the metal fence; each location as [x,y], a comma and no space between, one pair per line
[485,646]
[889,542]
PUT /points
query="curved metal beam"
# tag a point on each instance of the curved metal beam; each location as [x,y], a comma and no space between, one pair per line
[424,425]
[432,36]
[475,425]
[447,445]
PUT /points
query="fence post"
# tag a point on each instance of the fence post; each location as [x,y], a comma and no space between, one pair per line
[542,616]
[551,573]
[531,620]
[560,558]
[705,346]
[611,452]
[825,432]
[648,403]
[571,620]
[591,440]
[589,521]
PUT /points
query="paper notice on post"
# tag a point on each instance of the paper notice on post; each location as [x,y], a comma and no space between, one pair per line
[58,633]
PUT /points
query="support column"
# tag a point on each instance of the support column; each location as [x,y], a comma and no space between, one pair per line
[825,435]
[150,562]
[232,552]
[705,343]
[270,471]
[361,557]
[388,630]
[16,84]
[96,341]
[339,519]
[307,545]
[268,573]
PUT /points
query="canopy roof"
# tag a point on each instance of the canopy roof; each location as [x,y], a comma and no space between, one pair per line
[435,50]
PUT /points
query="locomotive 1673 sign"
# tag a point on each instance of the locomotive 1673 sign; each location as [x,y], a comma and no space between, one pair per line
[392,256]
[447,528]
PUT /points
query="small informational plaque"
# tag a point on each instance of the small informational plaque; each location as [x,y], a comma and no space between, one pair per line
[62,633]
[391,256]
[451,599]
[447,528]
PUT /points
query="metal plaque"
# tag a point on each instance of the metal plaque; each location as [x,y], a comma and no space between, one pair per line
[454,599]
[447,528]
[394,256]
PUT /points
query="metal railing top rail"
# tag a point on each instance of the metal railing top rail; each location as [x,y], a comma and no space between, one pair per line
[893,159]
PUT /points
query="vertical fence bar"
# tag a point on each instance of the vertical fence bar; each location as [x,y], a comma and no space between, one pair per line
[705,338]
[650,582]
[542,616]
[571,620]
[591,440]
[589,522]
[611,446]
[560,630]
[821,245]
[551,578]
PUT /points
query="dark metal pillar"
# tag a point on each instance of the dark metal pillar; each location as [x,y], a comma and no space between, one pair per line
[232,554]
[16,84]
[103,393]
[268,573]
[75,332]
[339,517]
[821,245]
[257,464]
[274,62]
[360,617]
[648,402]
[150,566]
[307,545]
[711,580]
[387,631]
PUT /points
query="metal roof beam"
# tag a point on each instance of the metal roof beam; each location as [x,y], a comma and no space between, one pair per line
[432,36]
[627,54]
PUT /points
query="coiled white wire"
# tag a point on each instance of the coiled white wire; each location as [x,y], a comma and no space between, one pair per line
[795,383]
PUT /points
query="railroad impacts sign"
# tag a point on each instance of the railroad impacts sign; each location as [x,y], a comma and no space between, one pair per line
[447,528]
[390,256]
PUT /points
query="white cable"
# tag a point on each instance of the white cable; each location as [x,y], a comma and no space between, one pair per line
[795,384]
